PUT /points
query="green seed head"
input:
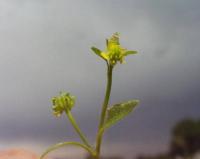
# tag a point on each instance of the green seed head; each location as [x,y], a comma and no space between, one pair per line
[63,102]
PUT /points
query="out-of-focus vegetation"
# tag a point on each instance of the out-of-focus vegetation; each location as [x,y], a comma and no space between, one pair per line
[185,138]
[185,141]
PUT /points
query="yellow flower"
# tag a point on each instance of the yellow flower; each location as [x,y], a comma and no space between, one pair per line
[114,52]
[63,102]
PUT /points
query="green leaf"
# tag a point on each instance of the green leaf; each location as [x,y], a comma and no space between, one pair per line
[119,111]
[130,52]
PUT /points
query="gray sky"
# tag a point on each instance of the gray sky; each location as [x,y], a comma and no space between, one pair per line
[45,48]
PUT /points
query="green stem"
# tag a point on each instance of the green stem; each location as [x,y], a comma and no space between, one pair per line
[76,127]
[54,147]
[103,112]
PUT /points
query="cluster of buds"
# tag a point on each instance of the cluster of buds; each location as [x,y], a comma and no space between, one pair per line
[114,52]
[63,102]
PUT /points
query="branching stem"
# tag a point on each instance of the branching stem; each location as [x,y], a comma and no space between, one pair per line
[103,112]
[56,146]
[76,127]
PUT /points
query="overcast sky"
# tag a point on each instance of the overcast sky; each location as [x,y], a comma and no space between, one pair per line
[45,49]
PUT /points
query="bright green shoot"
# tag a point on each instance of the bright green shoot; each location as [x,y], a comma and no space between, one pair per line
[110,115]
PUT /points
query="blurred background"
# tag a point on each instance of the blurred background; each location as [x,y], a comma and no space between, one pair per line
[45,49]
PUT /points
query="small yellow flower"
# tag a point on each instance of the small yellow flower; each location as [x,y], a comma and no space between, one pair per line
[62,103]
[114,52]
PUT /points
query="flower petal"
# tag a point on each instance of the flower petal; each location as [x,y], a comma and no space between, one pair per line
[105,56]
[129,52]
[98,52]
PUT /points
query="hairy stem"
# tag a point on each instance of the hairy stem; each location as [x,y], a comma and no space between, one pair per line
[103,112]
[77,129]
